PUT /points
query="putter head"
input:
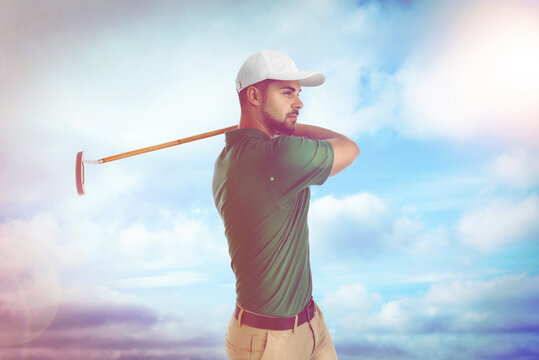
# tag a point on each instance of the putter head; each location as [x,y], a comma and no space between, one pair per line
[79,172]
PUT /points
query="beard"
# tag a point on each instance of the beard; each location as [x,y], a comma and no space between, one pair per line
[277,126]
[282,127]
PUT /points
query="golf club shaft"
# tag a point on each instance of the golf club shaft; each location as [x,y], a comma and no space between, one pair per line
[167,144]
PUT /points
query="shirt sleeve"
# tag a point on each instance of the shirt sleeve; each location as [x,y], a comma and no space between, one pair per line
[296,163]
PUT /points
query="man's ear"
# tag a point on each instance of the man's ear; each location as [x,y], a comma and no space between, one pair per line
[254,95]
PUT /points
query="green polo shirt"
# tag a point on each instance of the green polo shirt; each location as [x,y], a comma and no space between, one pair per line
[261,190]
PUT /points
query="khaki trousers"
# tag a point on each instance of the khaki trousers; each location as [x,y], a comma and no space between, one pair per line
[310,341]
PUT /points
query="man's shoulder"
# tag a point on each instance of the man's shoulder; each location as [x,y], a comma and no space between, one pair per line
[284,144]
[287,142]
[296,151]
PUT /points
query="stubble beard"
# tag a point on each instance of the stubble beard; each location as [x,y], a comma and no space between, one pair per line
[277,126]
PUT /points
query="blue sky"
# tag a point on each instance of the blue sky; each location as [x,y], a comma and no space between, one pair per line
[425,248]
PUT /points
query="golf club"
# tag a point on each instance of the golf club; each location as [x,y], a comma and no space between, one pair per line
[80,161]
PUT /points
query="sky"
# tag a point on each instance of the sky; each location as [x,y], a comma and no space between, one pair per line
[426,247]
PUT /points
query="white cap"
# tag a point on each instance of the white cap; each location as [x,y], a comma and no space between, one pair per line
[275,65]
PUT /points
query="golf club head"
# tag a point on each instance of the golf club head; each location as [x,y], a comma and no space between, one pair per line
[79,172]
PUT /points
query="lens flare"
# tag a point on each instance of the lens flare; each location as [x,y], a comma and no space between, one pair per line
[29,294]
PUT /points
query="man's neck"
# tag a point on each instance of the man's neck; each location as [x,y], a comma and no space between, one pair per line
[247,121]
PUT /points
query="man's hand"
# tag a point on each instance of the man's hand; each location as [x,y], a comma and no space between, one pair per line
[345,150]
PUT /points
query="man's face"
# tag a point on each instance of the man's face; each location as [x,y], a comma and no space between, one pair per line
[280,105]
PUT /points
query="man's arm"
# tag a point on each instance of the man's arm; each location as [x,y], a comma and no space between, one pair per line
[345,150]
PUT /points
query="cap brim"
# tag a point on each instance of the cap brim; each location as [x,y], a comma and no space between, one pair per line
[306,78]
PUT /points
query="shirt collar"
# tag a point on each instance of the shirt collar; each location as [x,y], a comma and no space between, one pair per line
[235,135]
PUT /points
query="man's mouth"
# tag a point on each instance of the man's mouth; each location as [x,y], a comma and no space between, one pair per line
[293,114]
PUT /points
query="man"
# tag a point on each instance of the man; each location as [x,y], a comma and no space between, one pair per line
[261,190]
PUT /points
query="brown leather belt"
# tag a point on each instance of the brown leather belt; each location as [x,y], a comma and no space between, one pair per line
[276,323]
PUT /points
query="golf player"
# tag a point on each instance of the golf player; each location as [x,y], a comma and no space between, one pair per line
[261,190]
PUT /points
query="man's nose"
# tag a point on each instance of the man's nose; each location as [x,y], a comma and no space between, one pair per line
[297,104]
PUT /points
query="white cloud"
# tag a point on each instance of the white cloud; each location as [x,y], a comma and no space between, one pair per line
[500,222]
[50,264]
[483,293]
[351,296]
[169,279]
[363,224]
[395,315]
[29,279]
[409,234]
[352,225]
[362,207]
[476,77]
[518,168]
[188,243]
[432,278]
[502,304]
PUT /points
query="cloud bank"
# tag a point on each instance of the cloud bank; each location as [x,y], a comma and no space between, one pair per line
[486,319]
